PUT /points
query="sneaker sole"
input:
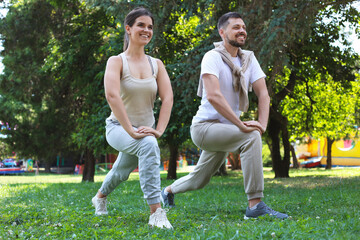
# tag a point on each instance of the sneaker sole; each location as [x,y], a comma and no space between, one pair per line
[247,218]
[100,214]
[162,199]
[163,227]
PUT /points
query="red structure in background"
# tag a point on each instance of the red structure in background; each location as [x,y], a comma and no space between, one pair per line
[110,159]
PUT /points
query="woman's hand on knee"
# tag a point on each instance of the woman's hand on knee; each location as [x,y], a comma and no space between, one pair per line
[139,135]
[149,130]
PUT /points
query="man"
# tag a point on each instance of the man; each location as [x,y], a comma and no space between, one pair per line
[227,73]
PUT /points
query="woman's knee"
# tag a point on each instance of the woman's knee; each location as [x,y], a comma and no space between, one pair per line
[149,147]
[150,143]
[120,176]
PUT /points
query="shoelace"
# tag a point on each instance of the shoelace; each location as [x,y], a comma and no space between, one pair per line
[271,211]
[102,205]
[160,216]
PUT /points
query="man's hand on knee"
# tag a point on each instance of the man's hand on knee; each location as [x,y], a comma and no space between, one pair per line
[255,124]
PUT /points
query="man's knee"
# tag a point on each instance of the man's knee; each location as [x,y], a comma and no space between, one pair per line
[255,136]
[200,185]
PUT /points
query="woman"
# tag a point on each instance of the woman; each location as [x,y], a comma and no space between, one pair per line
[131,82]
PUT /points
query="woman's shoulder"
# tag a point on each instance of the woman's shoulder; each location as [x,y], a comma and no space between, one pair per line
[115,58]
[159,62]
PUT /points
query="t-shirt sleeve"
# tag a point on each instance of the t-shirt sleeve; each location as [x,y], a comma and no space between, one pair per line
[211,64]
[256,71]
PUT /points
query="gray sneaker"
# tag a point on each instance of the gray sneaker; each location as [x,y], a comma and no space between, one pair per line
[167,200]
[261,210]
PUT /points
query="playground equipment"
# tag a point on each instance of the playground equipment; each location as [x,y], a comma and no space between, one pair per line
[13,169]
[344,152]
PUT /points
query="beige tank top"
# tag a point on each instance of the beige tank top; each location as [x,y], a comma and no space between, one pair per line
[138,95]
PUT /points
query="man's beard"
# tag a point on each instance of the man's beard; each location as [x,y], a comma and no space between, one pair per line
[234,43]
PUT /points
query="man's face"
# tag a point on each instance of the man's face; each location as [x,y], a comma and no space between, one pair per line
[235,32]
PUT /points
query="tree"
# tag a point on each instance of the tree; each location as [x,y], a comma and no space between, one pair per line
[67,61]
[278,30]
[61,43]
[33,100]
[332,109]
[322,103]
[77,57]
[312,41]
[235,161]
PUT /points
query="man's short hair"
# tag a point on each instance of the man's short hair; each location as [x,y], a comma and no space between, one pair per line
[223,20]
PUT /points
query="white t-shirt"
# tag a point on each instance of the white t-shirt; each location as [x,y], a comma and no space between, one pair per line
[213,64]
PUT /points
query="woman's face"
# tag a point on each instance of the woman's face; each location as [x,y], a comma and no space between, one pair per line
[142,30]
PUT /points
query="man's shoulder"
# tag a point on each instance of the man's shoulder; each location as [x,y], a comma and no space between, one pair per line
[247,52]
[212,55]
[212,52]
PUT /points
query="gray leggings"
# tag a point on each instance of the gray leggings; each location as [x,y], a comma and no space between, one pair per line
[143,152]
[216,140]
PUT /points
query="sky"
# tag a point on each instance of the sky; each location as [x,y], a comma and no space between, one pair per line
[353,38]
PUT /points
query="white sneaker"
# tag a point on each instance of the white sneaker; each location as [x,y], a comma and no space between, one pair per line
[159,219]
[100,205]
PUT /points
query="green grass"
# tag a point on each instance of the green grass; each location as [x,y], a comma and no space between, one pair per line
[322,205]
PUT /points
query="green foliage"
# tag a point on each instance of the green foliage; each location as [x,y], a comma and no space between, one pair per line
[55,54]
[323,102]
[323,205]
[4,150]
[322,108]
[310,57]
[62,44]
[34,101]
[266,155]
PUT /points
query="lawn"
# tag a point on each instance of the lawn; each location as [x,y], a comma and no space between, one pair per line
[322,205]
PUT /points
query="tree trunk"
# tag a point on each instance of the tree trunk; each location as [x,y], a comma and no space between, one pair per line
[328,157]
[274,131]
[222,170]
[286,144]
[174,153]
[278,123]
[281,168]
[293,154]
[89,167]
[234,159]
[48,166]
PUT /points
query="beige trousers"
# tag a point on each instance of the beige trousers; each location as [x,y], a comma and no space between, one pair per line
[217,140]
